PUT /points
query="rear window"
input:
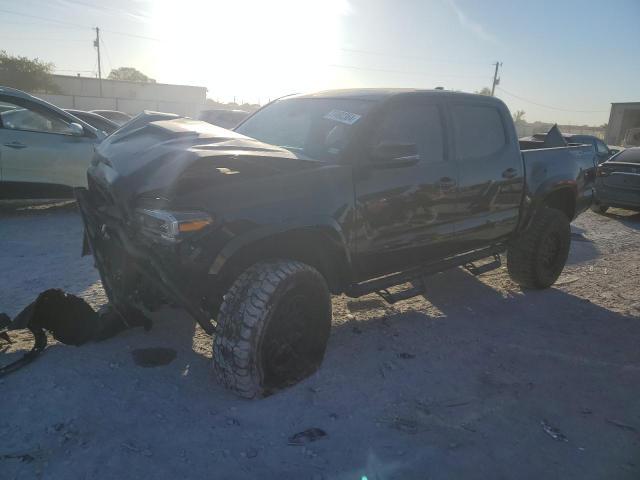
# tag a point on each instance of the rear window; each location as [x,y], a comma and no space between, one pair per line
[631,155]
[479,131]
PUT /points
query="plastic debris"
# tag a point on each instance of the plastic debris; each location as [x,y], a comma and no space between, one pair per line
[307,436]
[553,432]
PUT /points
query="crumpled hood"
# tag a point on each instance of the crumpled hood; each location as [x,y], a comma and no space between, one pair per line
[167,157]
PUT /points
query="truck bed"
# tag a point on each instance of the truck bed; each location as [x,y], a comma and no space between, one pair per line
[549,167]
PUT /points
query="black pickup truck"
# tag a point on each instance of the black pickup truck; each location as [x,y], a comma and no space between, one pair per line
[340,192]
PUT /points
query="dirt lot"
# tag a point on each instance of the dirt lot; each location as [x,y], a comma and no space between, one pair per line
[476,380]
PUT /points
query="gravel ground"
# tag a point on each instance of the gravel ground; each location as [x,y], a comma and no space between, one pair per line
[478,379]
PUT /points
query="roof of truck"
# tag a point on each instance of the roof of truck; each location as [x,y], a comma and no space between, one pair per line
[379,94]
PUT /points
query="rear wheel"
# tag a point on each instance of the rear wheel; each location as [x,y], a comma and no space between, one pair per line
[273,328]
[536,258]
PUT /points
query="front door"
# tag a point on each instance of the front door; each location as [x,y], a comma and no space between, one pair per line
[405,212]
[39,156]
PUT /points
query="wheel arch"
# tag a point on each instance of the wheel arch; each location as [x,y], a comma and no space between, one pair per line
[321,245]
[561,198]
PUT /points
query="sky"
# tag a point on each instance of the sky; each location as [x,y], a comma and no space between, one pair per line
[562,61]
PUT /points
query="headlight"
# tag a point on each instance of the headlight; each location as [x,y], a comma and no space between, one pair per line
[169,225]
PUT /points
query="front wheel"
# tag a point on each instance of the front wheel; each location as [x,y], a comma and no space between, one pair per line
[273,328]
[536,258]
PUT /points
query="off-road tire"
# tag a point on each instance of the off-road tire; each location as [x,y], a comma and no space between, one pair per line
[261,344]
[599,208]
[536,258]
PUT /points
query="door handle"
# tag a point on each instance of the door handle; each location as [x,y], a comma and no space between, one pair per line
[446,183]
[16,145]
[509,173]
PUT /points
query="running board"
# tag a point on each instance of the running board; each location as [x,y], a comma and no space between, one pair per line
[382,284]
[414,291]
[487,267]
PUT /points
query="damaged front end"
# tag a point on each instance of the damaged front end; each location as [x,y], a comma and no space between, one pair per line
[158,209]
[135,269]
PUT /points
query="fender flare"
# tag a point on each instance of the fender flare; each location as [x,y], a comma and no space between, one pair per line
[262,233]
[545,189]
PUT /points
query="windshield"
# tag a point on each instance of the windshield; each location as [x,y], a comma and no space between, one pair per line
[315,127]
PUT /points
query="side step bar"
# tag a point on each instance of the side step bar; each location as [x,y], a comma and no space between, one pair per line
[487,267]
[415,275]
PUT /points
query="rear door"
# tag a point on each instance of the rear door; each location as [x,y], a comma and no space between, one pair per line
[490,169]
[405,212]
[38,152]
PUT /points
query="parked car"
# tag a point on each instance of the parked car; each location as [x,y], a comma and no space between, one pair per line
[44,151]
[632,138]
[603,151]
[618,182]
[115,116]
[96,121]
[223,118]
[341,192]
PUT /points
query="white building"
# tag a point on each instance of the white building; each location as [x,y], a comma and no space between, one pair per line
[83,93]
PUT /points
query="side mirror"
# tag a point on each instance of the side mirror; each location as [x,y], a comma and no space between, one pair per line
[613,151]
[76,129]
[395,154]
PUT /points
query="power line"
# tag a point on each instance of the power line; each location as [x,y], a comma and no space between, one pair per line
[353,67]
[44,19]
[412,57]
[549,106]
[48,39]
[104,45]
[76,25]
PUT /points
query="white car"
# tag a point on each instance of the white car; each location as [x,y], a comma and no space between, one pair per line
[44,151]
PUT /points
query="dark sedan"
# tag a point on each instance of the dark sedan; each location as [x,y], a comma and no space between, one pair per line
[618,182]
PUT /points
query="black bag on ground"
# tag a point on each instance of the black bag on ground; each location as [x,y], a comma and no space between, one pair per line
[70,319]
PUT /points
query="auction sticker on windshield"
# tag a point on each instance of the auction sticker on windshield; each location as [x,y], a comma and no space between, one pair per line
[341,116]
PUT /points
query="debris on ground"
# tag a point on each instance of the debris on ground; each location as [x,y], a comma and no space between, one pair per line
[621,425]
[307,436]
[553,432]
[406,356]
[153,357]
[405,425]
[69,319]
[135,449]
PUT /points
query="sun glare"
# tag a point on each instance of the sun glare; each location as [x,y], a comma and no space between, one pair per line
[249,48]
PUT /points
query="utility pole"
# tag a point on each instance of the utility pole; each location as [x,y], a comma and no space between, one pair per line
[496,79]
[96,43]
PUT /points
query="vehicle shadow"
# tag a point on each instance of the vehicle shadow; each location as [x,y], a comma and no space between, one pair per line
[582,248]
[460,393]
[629,218]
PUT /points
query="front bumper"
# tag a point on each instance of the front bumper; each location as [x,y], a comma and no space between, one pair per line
[120,259]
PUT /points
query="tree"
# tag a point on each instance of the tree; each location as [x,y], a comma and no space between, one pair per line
[129,74]
[26,74]
[484,91]
[518,117]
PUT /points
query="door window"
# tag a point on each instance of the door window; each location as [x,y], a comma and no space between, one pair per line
[416,124]
[479,131]
[31,119]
